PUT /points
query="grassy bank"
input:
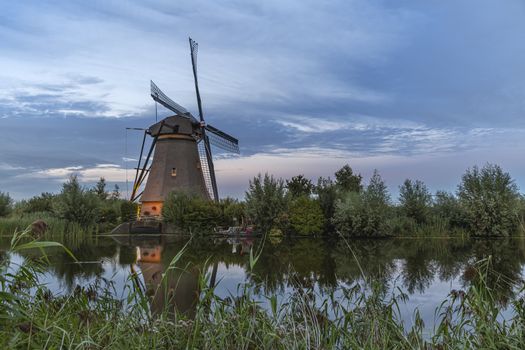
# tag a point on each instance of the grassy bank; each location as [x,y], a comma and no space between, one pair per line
[365,317]
[57,229]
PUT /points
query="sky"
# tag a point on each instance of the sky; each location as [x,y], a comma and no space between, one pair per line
[416,89]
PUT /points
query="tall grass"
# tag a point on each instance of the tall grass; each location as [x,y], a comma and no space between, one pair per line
[361,316]
[58,229]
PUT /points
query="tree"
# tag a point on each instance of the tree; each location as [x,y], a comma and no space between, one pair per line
[128,210]
[490,200]
[233,211]
[521,217]
[76,204]
[415,200]
[100,189]
[265,200]
[176,207]
[6,204]
[347,181]
[306,216]
[446,206]
[115,194]
[42,203]
[366,213]
[326,194]
[299,186]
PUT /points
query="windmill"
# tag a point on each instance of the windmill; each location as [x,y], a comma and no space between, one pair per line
[182,154]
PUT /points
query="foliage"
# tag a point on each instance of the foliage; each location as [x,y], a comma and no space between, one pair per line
[490,200]
[358,316]
[299,186]
[57,229]
[188,211]
[446,206]
[415,200]
[76,204]
[366,213]
[6,204]
[326,194]
[203,215]
[100,189]
[306,216]
[128,210]
[233,212]
[521,216]
[109,215]
[176,207]
[115,194]
[265,200]
[347,181]
[42,203]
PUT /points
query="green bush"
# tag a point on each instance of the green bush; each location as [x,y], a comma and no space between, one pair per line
[415,200]
[128,210]
[366,213]
[233,212]
[176,207]
[76,204]
[490,200]
[265,200]
[39,204]
[109,212]
[326,192]
[187,211]
[306,216]
[6,204]
[447,207]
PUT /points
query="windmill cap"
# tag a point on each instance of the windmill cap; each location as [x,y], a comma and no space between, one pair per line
[175,124]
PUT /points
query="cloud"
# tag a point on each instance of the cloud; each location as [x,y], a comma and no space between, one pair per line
[110,172]
[312,125]
[9,167]
[336,80]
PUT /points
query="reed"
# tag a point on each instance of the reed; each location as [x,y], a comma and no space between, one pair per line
[58,229]
[361,316]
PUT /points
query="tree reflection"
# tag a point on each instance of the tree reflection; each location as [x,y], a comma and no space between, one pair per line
[412,264]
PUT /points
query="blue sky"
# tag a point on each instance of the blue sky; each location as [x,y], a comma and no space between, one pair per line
[416,89]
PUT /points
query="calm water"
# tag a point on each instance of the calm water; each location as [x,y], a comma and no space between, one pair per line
[426,269]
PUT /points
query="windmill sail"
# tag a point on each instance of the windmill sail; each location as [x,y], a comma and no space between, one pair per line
[160,97]
[222,140]
[194,47]
[205,169]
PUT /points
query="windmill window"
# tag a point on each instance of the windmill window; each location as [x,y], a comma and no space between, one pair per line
[174,172]
[154,208]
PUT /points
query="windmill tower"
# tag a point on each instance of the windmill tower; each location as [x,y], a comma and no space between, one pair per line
[182,155]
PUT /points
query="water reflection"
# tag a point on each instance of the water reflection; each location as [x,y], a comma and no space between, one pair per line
[179,289]
[426,268]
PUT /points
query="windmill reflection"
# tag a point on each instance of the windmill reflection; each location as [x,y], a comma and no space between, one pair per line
[173,289]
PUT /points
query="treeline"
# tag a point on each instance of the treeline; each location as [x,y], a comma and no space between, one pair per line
[486,203]
[93,208]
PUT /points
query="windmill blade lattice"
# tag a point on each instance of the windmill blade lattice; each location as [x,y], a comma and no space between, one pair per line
[160,97]
[194,47]
[222,140]
[205,169]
